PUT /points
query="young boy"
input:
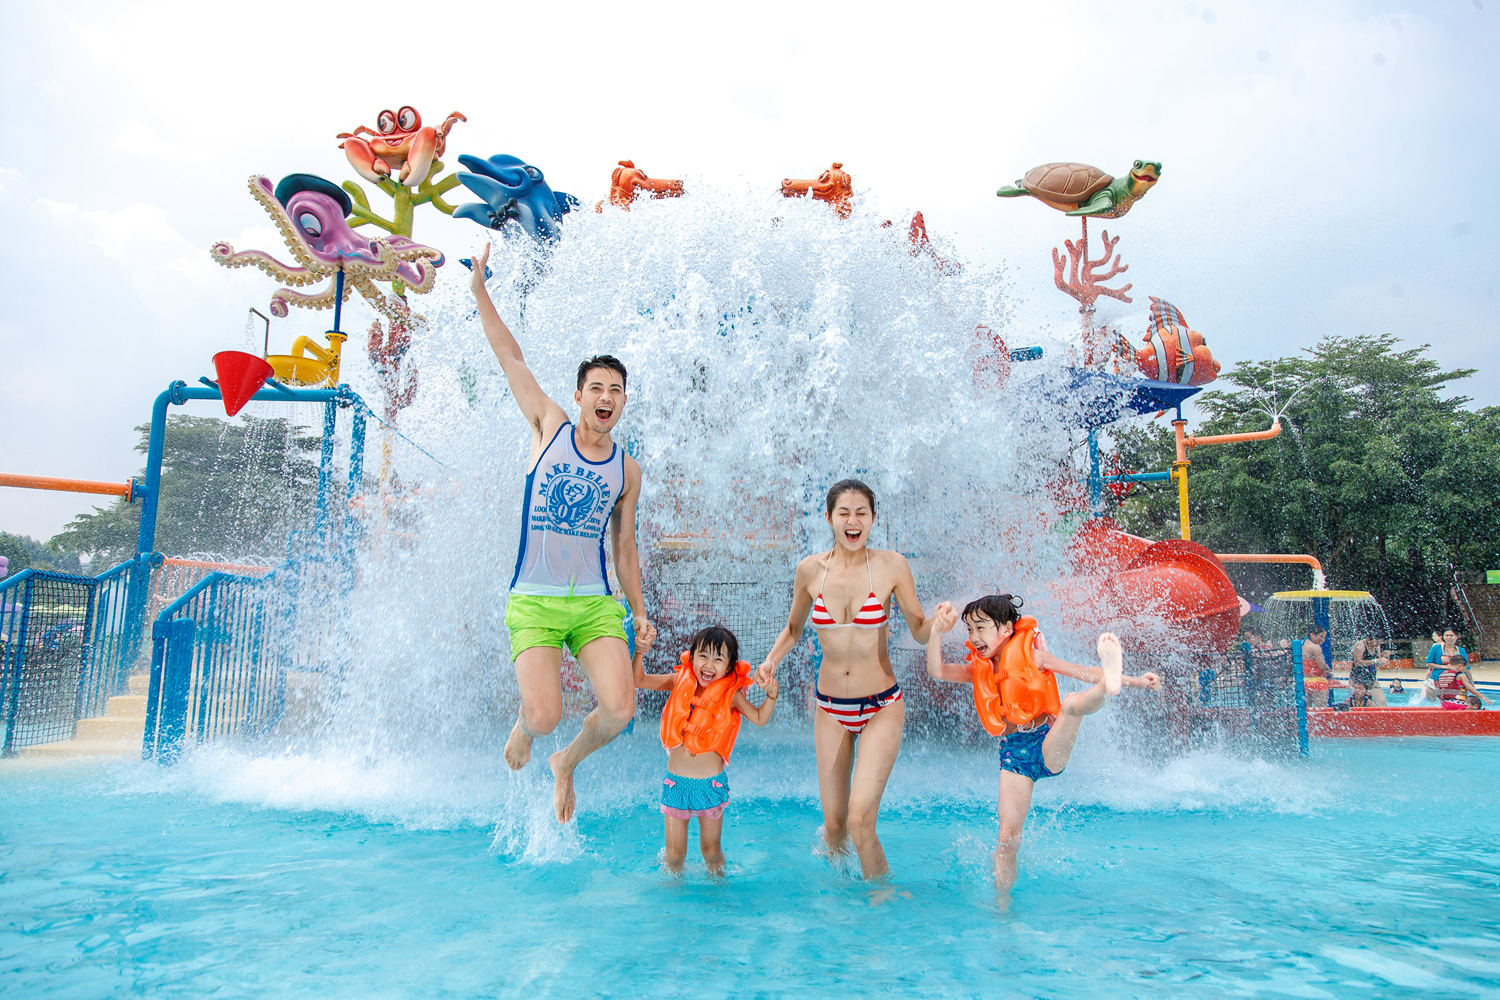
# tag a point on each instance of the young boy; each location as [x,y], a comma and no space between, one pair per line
[1015,694]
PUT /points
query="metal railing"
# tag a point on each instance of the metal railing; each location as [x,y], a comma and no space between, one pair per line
[46,624]
[221,653]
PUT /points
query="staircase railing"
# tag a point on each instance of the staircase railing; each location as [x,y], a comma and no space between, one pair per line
[67,643]
[221,652]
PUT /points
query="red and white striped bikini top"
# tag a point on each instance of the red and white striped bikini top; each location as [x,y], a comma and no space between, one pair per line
[871,614]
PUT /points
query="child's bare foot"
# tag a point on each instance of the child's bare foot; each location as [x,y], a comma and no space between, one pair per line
[1111,662]
[518,747]
[563,799]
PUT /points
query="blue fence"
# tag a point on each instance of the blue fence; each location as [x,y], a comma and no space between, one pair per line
[67,645]
[220,653]
[46,624]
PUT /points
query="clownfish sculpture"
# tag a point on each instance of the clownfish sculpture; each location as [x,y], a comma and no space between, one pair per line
[1174,352]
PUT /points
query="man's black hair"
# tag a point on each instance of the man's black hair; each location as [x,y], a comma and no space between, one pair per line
[609,361]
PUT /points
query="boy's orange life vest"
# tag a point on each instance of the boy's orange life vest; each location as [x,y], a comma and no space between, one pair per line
[1015,690]
[703,721]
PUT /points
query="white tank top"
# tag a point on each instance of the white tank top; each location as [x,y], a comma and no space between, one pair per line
[564,512]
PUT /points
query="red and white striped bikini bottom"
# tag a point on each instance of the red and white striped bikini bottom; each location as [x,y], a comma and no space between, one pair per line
[853,713]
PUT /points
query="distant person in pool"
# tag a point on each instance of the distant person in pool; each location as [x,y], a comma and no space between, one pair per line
[1363,695]
[580,485]
[1449,681]
[699,725]
[847,592]
[1366,660]
[1016,696]
[1313,663]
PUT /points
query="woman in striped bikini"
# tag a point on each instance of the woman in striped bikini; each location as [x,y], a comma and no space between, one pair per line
[847,593]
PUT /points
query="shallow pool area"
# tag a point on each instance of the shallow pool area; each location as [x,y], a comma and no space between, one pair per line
[1351,873]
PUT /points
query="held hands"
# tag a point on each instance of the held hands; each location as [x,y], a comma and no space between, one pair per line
[645,636]
[1151,680]
[770,686]
[765,675]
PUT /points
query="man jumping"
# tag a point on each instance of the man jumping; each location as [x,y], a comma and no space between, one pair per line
[580,481]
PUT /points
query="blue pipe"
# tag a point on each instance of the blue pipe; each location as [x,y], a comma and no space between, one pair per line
[1138,477]
[325,464]
[1300,686]
[178,393]
[1096,481]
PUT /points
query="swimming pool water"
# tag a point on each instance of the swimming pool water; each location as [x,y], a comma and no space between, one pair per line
[1353,873]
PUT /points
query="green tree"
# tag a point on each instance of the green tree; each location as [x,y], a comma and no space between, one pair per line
[1381,473]
[229,488]
[28,553]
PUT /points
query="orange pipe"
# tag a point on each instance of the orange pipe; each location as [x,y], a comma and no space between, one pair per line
[126,490]
[223,567]
[1186,440]
[1259,557]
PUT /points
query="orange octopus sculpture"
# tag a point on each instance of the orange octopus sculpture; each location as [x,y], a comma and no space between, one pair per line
[1177,353]
[832,185]
[627,180]
[402,147]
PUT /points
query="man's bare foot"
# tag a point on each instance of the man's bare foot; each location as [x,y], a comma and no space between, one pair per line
[1111,661]
[563,799]
[518,747]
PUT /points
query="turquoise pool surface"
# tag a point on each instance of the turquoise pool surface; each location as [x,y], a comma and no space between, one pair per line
[1368,870]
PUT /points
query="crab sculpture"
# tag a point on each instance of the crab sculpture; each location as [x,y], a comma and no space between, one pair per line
[399,146]
[311,213]
[833,185]
[513,191]
[627,180]
[1173,351]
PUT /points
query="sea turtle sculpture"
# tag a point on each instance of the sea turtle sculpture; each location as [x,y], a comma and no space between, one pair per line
[1079,189]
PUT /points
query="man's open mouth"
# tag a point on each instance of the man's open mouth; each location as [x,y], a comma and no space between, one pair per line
[603,413]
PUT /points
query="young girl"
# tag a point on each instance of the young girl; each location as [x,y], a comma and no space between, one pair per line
[1016,696]
[699,724]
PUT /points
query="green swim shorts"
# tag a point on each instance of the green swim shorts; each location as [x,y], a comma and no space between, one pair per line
[535,620]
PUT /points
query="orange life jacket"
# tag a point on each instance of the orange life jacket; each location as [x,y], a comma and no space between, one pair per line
[1015,690]
[703,721]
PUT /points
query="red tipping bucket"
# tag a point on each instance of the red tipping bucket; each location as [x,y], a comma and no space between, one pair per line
[240,376]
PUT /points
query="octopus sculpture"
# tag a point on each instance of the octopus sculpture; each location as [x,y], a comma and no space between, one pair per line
[513,190]
[311,213]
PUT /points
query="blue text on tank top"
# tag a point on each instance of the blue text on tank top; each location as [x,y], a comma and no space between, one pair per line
[564,512]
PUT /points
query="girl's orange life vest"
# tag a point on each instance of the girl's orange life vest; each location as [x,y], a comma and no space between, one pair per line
[703,721]
[1015,690]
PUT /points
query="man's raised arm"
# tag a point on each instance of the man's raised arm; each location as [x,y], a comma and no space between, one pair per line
[535,404]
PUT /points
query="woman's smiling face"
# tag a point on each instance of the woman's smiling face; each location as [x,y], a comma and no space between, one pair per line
[851,520]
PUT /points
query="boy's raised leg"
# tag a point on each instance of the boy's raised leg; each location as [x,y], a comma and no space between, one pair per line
[1058,745]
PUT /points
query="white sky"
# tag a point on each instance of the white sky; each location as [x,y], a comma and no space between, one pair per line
[1325,165]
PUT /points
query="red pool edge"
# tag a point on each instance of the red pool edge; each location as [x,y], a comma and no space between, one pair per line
[1328,722]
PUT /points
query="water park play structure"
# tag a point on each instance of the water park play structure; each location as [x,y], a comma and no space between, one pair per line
[220,652]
